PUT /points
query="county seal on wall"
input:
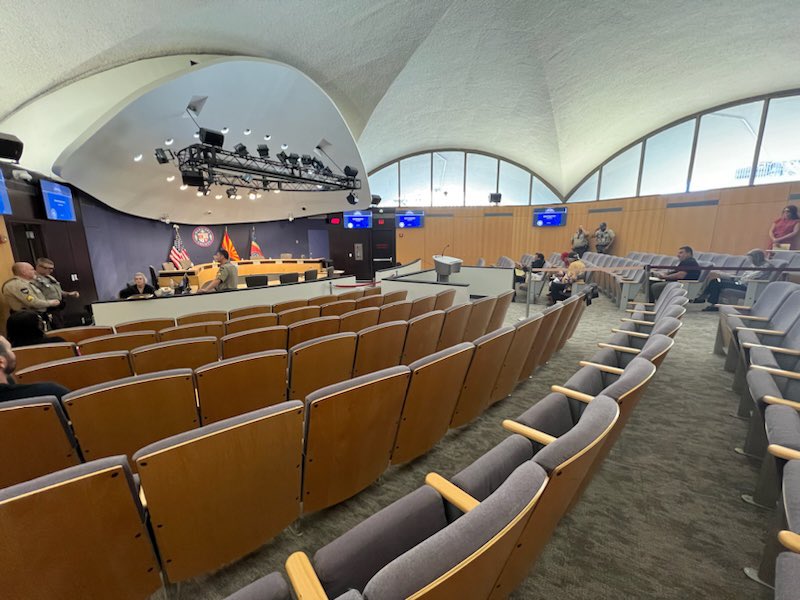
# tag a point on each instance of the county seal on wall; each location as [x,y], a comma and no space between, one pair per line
[203,237]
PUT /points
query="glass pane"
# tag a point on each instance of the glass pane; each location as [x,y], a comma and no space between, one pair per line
[415,181]
[666,160]
[384,184]
[621,174]
[448,178]
[481,179]
[543,194]
[587,192]
[780,149]
[725,147]
[515,184]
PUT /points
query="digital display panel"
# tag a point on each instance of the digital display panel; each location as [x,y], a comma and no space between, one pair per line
[5,203]
[550,217]
[409,219]
[358,220]
[57,201]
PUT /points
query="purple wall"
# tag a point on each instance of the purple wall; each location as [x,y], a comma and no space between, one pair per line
[121,244]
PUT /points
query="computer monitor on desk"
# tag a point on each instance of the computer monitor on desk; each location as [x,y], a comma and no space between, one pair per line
[446,266]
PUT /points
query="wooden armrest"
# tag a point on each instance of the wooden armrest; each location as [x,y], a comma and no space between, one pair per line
[529,432]
[642,303]
[736,306]
[631,333]
[644,312]
[783,452]
[778,372]
[776,349]
[764,331]
[789,540]
[304,580]
[601,367]
[625,349]
[782,402]
[638,322]
[575,395]
[627,280]
[452,493]
[142,497]
[752,318]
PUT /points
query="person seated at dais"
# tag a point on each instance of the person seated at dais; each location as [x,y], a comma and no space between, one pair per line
[139,287]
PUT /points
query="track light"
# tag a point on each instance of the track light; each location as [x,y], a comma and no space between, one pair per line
[294,159]
[263,150]
[161,156]
[375,200]
[282,157]
[231,193]
[352,198]
[203,190]
[307,160]
[241,150]
[350,172]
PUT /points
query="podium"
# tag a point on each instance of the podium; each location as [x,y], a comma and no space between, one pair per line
[446,266]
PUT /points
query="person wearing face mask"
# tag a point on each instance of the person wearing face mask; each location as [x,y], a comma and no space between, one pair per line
[10,390]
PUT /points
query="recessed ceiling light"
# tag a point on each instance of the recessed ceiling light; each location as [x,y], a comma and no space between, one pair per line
[137,158]
[199,193]
[196,135]
[238,196]
[284,146]
[224,130]
[258,195]
[168,142]
[268,137]
[184,186]
[171,178]
[218,196]
[247,132]
[277,191]
[252,195]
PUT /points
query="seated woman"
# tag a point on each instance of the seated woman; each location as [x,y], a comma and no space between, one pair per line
[26,328]
[139,287]
[561,286]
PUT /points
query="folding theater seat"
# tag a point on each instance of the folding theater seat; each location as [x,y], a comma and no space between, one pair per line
[479,318]
[422,305]
[454,326]
[422,336]
[379,347]
[359,319]
[655,349]
[270,587]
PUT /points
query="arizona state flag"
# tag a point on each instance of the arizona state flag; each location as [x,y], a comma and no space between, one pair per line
[255,249]
[227,244]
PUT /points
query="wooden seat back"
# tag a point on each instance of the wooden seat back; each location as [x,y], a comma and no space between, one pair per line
[444,299]
[293,315]
[239,385]
[320,362]
[349,435]
[422,336]
[454,326]
[359,319]
[433,391]
[396,311]
[572,323]
[78,334]
[118,341]
[396,296]
[247,322]
[373,291]
[560,329]
[369,301]
[422,305]
[79,372]
[524,335]
[179,354]
[255,340]
[302,331]
[337,308]
[351,295]
[550,318]
[144,325]
[203,317]
[27,356]
[379,347]
[490,351]
[289,305]
[249,311]
[479,318]
[499,311]
[320,300]
[192,330]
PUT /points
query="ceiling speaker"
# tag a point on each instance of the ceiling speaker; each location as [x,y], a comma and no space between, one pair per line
[495,198]
[10,147]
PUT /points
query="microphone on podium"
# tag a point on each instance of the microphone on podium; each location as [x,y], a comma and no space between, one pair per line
[443,249]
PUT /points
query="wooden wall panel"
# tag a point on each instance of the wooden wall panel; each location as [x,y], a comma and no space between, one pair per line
[410,243]
[689,226]
[732,235]
[640,231]
[468,239]
[497,233]
[438,235]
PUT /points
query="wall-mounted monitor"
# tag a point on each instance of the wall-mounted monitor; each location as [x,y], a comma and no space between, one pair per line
[409,219]
[358,219]
[57,201]
[5,203]
[550,217]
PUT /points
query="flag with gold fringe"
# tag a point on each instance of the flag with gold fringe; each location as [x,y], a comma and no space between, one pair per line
[255,249]
[227,244]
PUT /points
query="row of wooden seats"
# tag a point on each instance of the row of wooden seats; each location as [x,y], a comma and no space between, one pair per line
[260,467]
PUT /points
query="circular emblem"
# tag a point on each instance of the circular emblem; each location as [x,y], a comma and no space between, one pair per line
[203,237]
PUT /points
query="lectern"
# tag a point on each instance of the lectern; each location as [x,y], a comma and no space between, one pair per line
[446,266]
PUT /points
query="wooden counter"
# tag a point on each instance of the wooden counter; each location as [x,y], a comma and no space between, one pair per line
[200,274]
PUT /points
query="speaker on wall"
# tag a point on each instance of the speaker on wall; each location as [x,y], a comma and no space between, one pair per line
[495,198]
[10,147]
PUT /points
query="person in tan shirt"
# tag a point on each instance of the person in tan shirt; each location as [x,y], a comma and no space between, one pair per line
[21,294]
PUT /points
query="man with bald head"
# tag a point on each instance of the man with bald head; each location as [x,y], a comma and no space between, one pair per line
[21,294]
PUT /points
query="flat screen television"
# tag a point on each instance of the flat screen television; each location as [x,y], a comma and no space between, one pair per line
[409,219]
[550,217]
[5,203]
[358,220]
[57,201]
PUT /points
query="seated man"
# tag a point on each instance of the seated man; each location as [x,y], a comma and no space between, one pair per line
[13,391]
[728,281]
[227,277]
[561,286]
[687,269]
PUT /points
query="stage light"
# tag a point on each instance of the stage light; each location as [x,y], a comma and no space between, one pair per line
[376,199]
[231,193]
[327,171]
[203,191]
[161,156]
[193,178]
[294,159]
[282,157]
[350,172]
[211,137]
[241,150]
[352,198]
[263,150]
[307,160]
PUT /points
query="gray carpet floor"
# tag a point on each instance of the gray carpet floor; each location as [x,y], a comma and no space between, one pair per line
[661,519]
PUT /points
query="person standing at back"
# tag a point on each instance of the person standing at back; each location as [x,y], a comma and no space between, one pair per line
[227,277]
[580,242]
[51,290]
[603,238]
[783,233]
[21,294]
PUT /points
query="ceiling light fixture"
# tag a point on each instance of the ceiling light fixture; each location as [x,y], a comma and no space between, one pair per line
[169,142]
[196,135]
[247,131]
[352,199]
[252,195]
[224,130]
[184,187]
[238,196]
[267,137]
[284,146]
[218,196]
[137,158]
[171,178]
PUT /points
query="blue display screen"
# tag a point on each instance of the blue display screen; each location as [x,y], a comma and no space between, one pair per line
[5,203]
[410,219]
[57,201]
[550,217]
[358,220]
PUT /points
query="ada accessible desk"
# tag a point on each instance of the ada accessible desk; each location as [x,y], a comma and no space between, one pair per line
[113,312]
[200,274]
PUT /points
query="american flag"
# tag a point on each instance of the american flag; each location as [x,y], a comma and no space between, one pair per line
[178,252]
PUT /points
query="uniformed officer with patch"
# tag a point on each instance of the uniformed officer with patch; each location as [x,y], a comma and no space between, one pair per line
[227,277]
[21,294]
[50,288]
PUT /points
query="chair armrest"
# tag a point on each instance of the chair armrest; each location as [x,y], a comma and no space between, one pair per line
[736,306]
[643,312]
[601,367]
[783,452]
[781,401]
[625,349]
[789,540]
[634,302]
[638,322]
[304,580]
[764,331]
[775,349]
[752,318]
[452,493]
[528,432]
[574,394]
[777,372]
[631,333]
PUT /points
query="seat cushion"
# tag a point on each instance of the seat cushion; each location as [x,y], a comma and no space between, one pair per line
[270,587]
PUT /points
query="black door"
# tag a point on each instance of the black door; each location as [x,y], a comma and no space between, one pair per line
[351,251]
[27,242]
[383,249]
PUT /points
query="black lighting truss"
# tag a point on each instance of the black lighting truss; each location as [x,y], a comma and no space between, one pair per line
[225,168]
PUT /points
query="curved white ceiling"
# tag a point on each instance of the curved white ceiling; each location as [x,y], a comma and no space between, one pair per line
[555,86]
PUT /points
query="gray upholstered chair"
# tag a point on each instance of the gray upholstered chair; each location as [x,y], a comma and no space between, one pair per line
[635,335]
[270,587]
[655,349]
[524,335]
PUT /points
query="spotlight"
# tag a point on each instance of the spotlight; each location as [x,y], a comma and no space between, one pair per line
[241,150]
[267,137]
[294,159]
[376,199]
[231,193]
[252,195]
[211,137]
[282,157]
[317,164]
[352,198]
[327,171]
[350,172]
[193,178]
[263,150]
[307,160]
[203,191]
[161,156]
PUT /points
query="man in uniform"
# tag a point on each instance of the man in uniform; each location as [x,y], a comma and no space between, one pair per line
[51,290]
[227,277]
[20,293]
[603,238]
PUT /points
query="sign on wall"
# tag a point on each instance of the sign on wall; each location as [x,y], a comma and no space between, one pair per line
[203,236]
